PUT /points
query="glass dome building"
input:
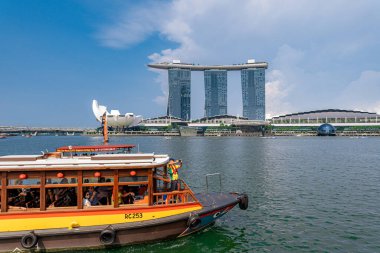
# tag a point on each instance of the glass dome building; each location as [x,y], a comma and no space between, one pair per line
[326,130]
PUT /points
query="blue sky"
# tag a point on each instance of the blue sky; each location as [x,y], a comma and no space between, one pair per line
[56,56]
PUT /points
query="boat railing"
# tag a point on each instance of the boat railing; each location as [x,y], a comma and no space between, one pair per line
[181,195]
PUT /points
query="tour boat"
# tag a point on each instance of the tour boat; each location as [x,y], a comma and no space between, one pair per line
[98,197]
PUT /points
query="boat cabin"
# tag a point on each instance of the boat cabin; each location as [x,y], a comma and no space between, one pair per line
[86,178]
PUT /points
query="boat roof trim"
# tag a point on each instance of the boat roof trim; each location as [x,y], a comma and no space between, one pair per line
[103,161]
[20,157]
[97,148]
[122,156]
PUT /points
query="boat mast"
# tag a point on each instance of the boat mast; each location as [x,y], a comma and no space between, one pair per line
[105,128]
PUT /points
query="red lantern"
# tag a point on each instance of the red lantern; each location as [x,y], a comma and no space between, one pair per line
[23,176]
[97,174]
[60,175]
[132,173]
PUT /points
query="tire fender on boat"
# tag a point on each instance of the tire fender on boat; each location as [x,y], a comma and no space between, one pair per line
[243,201]
[29,240]
[193,221]
[107,236]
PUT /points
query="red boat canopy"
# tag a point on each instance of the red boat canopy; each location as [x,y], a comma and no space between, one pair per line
[99,148]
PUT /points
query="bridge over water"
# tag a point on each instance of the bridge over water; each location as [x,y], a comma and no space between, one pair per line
[42,130]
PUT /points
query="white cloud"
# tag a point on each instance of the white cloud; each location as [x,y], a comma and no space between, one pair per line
[132,26]
[306,43]
[363,93]
[162,80]
[277,90]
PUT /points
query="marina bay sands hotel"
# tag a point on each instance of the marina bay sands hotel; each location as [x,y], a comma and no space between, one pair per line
[215,81]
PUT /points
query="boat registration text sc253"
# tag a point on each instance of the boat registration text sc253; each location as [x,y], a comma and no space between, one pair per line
[128,216]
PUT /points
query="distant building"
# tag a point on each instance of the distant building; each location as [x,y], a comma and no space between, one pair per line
[253,91]
[114,118]
[179,93]
[215,92]
[215,76]
[220,119]
[326,130]
[227,120]
[162,121]
[335,117]
[225,125]
[344,122]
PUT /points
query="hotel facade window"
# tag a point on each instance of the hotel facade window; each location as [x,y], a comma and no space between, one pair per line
[179,93]
[253,92]
[215,92]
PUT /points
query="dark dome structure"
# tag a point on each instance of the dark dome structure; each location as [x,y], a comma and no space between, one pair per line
[326,130]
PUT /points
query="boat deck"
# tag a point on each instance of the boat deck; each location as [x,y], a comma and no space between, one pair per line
[210,201]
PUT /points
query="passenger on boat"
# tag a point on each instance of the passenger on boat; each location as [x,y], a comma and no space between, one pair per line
[35,199]
[119,199]
[61,198]
[127,196]
[64,196]
[50,197]
[86,201]
[104,193]
[24,198]
[173,167]
[21,198]
[94,200]
[142,191]
[64,181]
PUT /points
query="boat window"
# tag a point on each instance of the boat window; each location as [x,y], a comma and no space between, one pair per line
[97,188]
[23,191]
[133,179]
[97,177]
[133,176]
[23,199]
[61,189]
[31,181]
[24,178]
[97,195]
[133,187]
[61,197]
[64,177]
[133,194]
